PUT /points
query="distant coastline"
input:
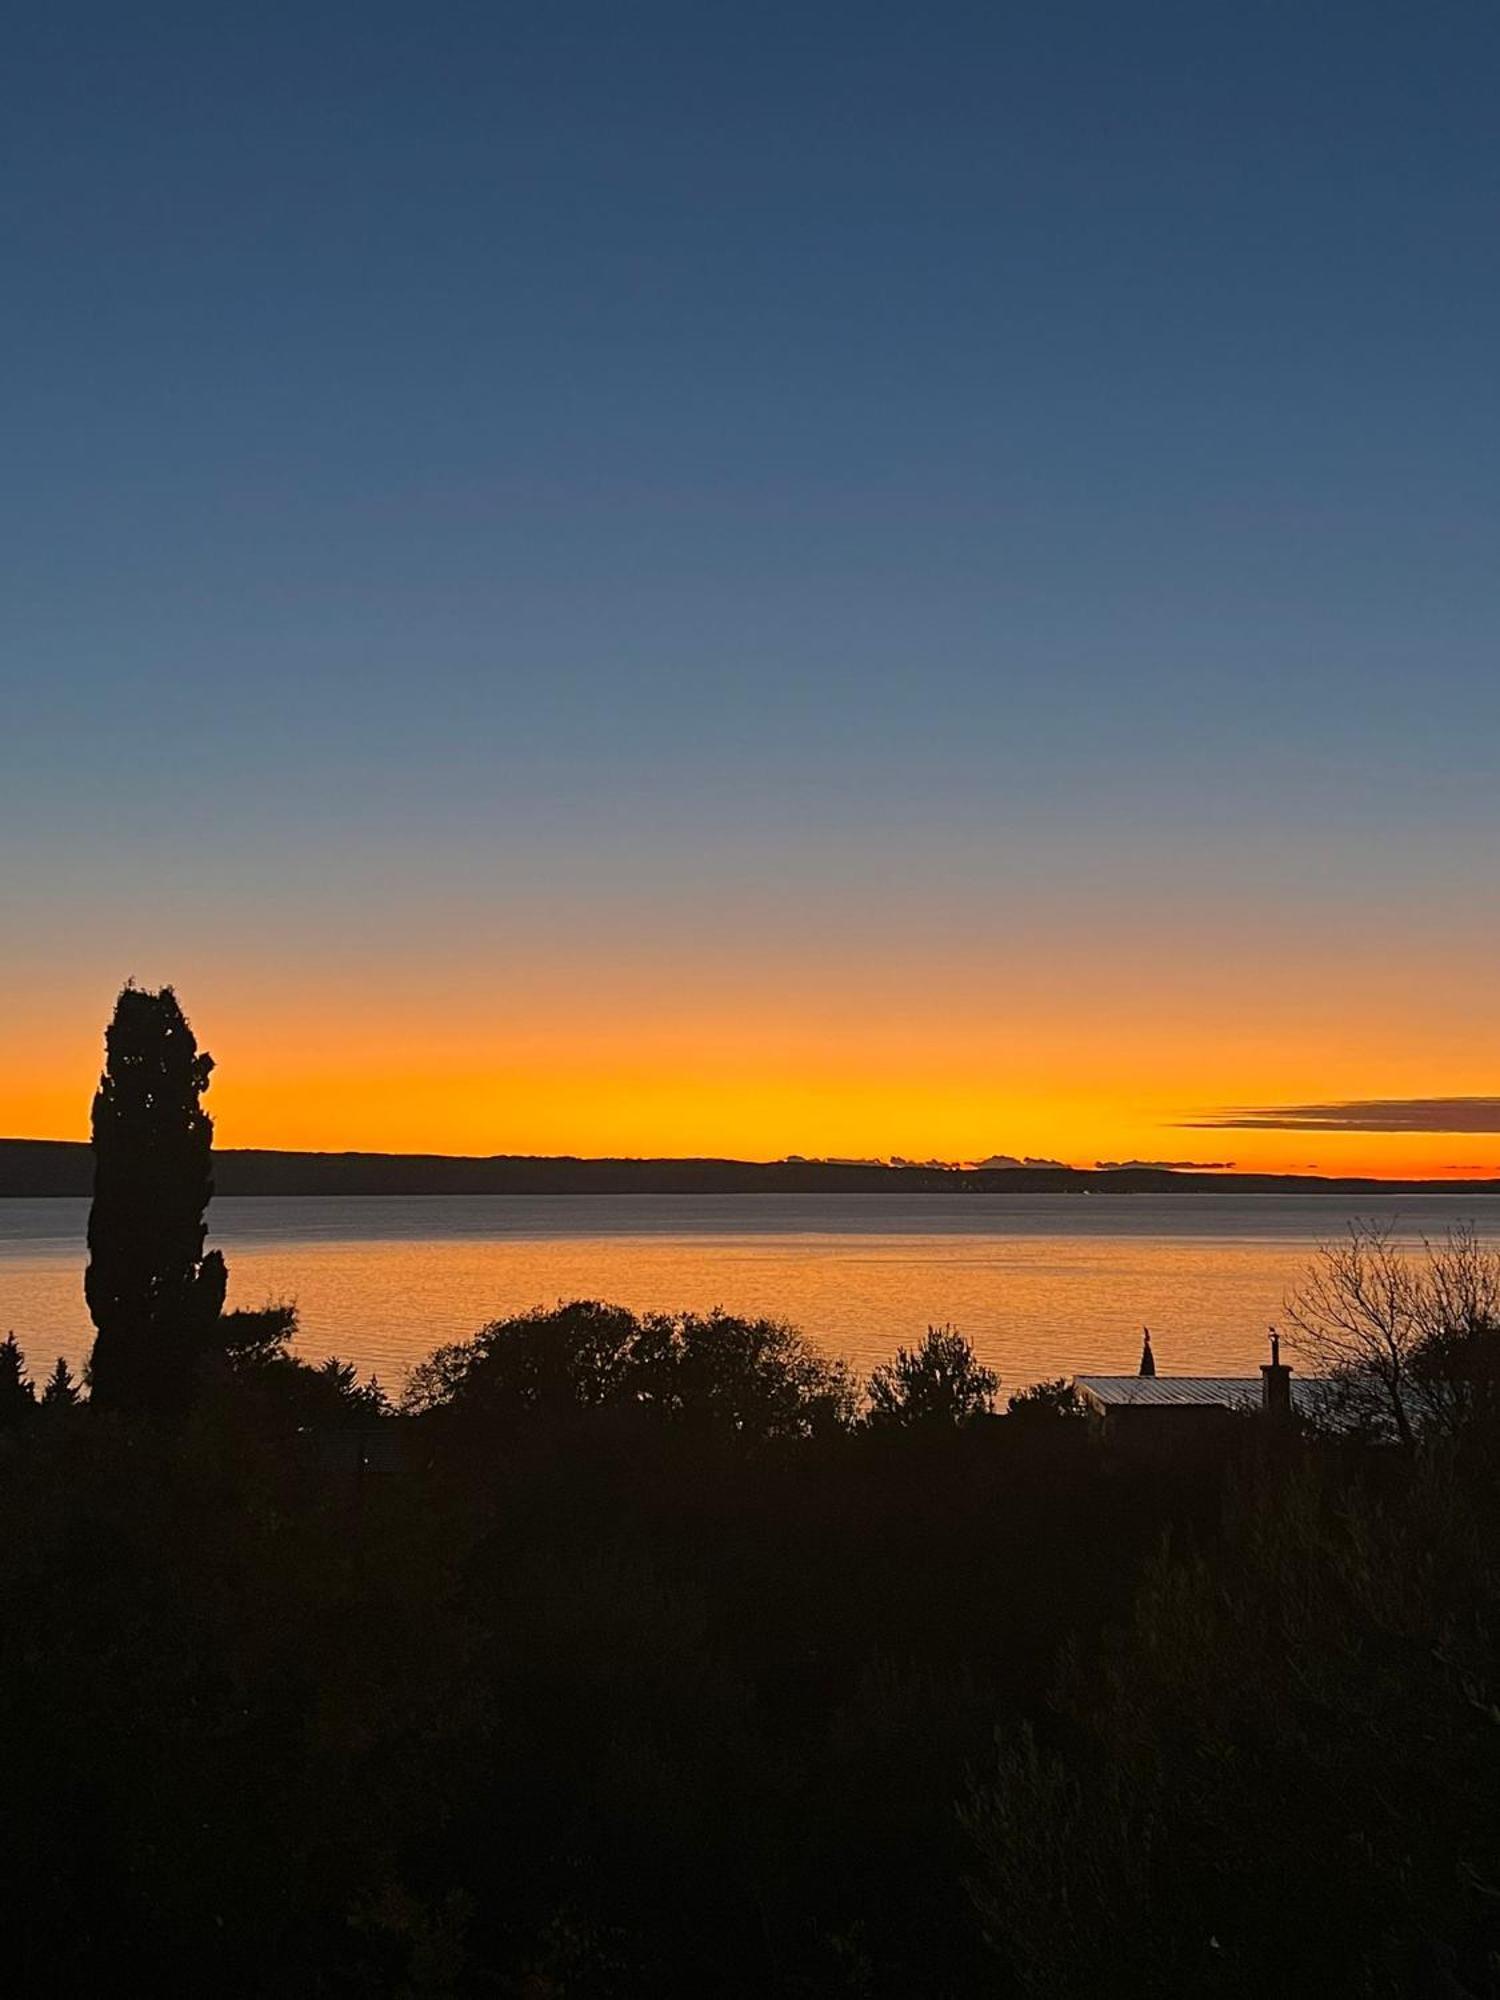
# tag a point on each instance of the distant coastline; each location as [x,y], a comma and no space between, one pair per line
[38,1168]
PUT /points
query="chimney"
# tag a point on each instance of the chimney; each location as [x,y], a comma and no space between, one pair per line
[1148,1359]
[1276,1383]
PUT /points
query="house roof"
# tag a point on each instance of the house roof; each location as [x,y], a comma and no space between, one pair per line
[1225,1392]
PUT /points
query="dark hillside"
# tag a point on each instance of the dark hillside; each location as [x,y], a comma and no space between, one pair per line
[42,1167]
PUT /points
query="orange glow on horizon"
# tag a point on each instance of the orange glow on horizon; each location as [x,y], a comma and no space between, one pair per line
[870,1065]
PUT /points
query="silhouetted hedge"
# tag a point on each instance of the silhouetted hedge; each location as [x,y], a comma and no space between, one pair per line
[574,1695]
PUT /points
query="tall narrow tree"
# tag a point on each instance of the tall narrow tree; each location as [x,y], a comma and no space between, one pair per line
[17,1397]
[153,1294]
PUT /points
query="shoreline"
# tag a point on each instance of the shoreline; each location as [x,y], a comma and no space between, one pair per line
[36,1169]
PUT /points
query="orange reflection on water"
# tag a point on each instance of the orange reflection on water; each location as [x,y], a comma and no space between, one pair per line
[1049,1286]
[1033,1307]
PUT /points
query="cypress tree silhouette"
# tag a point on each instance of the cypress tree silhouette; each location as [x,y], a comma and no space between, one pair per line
[154,1296]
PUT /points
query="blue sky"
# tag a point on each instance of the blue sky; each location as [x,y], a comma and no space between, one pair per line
[613,454]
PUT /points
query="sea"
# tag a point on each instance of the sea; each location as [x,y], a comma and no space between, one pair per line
[1042,1285]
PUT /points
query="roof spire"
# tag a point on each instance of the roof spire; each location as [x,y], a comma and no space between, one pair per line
[1148,1359]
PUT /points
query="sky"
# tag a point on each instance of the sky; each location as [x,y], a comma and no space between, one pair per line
[851,580]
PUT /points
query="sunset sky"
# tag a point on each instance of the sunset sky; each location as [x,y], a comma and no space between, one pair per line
[845,579]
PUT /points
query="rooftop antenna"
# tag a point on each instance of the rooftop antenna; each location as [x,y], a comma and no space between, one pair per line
[1148,1359]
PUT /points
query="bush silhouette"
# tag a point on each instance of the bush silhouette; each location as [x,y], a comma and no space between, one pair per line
[252,1336]
[1043,1401]
[253,1367]
[750,1378]
[940,1383]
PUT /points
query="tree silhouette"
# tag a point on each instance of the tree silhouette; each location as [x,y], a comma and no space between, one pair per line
[255,1336]
[939,1383]
[153,1294]
[755,1379]
[17,1397]
[61,1391]
[1410,1337]
[1044,1401]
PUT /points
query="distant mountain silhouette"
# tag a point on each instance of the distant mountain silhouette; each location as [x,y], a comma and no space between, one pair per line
[42,1167]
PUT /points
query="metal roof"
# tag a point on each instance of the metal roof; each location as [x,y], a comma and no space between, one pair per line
[1125,1392]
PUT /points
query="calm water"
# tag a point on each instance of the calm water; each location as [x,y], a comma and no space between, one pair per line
[1042,1284]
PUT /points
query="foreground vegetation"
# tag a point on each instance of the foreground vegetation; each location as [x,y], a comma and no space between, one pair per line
[653,1655]
[555,1686]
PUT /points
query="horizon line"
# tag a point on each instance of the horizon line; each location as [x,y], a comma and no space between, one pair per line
[1226,1172]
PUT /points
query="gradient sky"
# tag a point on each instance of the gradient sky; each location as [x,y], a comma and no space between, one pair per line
[844,579]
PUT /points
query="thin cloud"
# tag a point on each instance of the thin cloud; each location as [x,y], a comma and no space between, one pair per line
[1167,1166]
[1360,1114]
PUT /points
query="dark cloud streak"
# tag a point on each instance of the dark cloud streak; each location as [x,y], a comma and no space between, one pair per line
[1360,1114]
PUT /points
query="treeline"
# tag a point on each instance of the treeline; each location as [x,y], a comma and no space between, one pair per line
[53,1167]
[630,1659]
[651,1654]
